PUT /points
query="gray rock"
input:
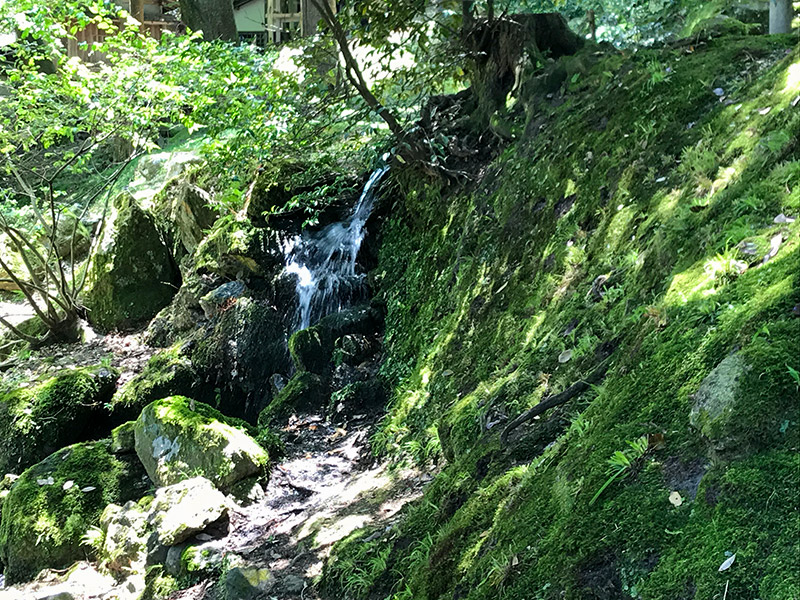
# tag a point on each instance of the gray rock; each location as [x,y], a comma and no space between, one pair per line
[177,438]
[216,300]
[248,491]
[714,402]
[181,510]
[125,535]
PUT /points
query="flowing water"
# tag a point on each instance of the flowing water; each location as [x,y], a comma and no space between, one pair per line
[324,261]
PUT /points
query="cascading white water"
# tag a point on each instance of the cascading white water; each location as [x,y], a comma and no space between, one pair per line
[324,261]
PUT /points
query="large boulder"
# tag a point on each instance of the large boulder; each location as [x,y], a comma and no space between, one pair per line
[179,511]
[53,504]
[37,420]
[132,274]
[177,438]
[238,351]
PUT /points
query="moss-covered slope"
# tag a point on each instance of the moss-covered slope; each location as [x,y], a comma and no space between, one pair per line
[639,216]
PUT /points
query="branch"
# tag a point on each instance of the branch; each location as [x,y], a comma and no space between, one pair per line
[549,402]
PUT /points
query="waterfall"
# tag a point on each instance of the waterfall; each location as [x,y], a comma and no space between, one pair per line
[324,261]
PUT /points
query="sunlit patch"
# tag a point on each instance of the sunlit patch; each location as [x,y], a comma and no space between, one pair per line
[792,78]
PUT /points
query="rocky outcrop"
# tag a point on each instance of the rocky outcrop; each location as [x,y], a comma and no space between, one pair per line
[38,420]
[132,274]
[178,438]
[52,505]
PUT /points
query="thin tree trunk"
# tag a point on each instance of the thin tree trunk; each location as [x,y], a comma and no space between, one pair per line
[780,16]
[137,10]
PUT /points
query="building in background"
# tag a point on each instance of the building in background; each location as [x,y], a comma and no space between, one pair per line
[265,22]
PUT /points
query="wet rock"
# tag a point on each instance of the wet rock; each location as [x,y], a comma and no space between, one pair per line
[181,510]
[132,275]
[304,392]
[54,503]
[238,352]
[176,437]
[312,348]
[38,420]
[184,313]
[221,298]
[714,402]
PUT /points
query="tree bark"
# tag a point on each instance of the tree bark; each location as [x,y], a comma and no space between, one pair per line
[780,16]
[213,17]
[137,10]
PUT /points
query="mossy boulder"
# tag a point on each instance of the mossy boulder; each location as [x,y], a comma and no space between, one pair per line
[312,348]
[235,249]
[169,372]
[123,440]
[306,391]
[53,504]
[238,352]
[38,420]
[177,438]
[132,274]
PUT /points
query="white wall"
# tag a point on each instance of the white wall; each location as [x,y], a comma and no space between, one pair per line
[250,17]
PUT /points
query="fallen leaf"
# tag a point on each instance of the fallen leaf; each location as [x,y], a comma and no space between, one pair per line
[515,561]
[88,488]
[765,111]
[47,481]
[565,356]
[655,441]
[727,564]
[719,92]
[68,485]
[782,218]
[675,499]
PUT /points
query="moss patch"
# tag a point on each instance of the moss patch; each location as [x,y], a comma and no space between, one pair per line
[38,420]
[52,504]
[632,217]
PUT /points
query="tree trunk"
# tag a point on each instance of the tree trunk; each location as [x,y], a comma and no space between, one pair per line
[214,17]
[137,10]
[780,16]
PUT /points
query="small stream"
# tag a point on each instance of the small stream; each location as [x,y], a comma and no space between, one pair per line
[324,261]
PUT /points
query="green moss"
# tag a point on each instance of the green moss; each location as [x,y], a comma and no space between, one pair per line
[132,275]
[615,227]
[178,438]
[53,503]
[305,391]
[39,419]
[168,372]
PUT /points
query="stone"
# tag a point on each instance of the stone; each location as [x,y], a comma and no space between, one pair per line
[29,429]
[169,372]
[177,438]
[292,584]
[245,581]
[179,511]
[312,348]
[221,298]
[132,274]
[53,504]
[715,401]
[184,212]
[125,535]
[305,392]
[357,398]
[123,440]
[239,350]
[203,559]
[248,491]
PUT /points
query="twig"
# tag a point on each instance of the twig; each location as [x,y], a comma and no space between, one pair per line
[549,402]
